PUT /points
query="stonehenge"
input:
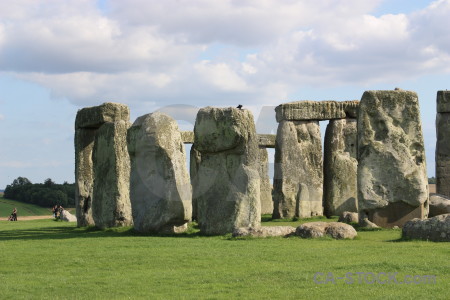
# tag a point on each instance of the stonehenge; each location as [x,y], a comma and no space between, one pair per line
[392,179]
[298,179]
[111,196]
[435,229]
[443,143]
[372,164]
[160,189]
[265,185]
[100,129]
[226,189]
[340,167]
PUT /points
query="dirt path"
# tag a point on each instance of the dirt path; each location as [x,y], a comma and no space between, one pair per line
[26,218]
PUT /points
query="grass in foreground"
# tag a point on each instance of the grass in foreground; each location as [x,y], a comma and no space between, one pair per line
[47,259]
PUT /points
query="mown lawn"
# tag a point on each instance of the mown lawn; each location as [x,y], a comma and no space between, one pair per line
[49,259]
[23,209]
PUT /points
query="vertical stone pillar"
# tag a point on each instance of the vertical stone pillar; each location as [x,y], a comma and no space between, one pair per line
[227,185]
[443,143]
[266,187]
[340,168]
[111,163]
[87,123]
[194,162]
[160,189]
[298,178]
[84,175]
[392,179]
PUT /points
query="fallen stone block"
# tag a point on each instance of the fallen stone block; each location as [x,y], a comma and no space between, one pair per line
[67,216]
[336,230]
[439,205]
[264,231]
[349,217]
[436,229]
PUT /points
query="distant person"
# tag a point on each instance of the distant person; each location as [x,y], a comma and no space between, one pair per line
[55,211]
[60,210]
[14,214]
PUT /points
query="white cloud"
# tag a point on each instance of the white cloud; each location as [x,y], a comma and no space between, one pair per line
[221,76]
[148,53]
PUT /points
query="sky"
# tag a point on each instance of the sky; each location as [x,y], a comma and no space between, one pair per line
[59,56]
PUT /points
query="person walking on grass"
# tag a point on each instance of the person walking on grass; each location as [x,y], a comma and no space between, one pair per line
[14,214]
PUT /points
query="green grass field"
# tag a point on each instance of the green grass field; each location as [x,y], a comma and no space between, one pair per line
[49,259]
[23,209]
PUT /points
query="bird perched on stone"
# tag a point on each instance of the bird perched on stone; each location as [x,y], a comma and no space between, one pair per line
[239,106]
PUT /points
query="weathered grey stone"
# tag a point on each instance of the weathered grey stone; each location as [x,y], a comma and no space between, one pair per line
[364,222]
[111,192]
[316,110]
[174,229]
[298,178]
[443,102]
[94,117]
[340,168]
[187,137]
[264,231]
[336,230]
[195,159]
[227,185]
[160,190]
[436,229]
[349,217]
[439,205]
[67,216]
[265,185]
[392,179]
[443,154]
[87,122]
[84,175]
[266,140]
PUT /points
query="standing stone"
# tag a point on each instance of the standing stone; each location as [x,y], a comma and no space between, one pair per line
[265,186]
[87,122]
[194,162]
[443,143]
[392,179]
[112,176]
[160,189]
[340,168]
[298,178]
[84,175]
[227,187]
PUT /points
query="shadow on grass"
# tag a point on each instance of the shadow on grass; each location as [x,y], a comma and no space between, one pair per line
[68,232]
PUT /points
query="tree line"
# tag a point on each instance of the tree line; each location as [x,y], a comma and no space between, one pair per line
[45,194]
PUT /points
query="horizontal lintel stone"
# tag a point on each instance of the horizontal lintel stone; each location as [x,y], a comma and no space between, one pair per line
[94,117]
[266,140]
[316,110]
[187,137]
